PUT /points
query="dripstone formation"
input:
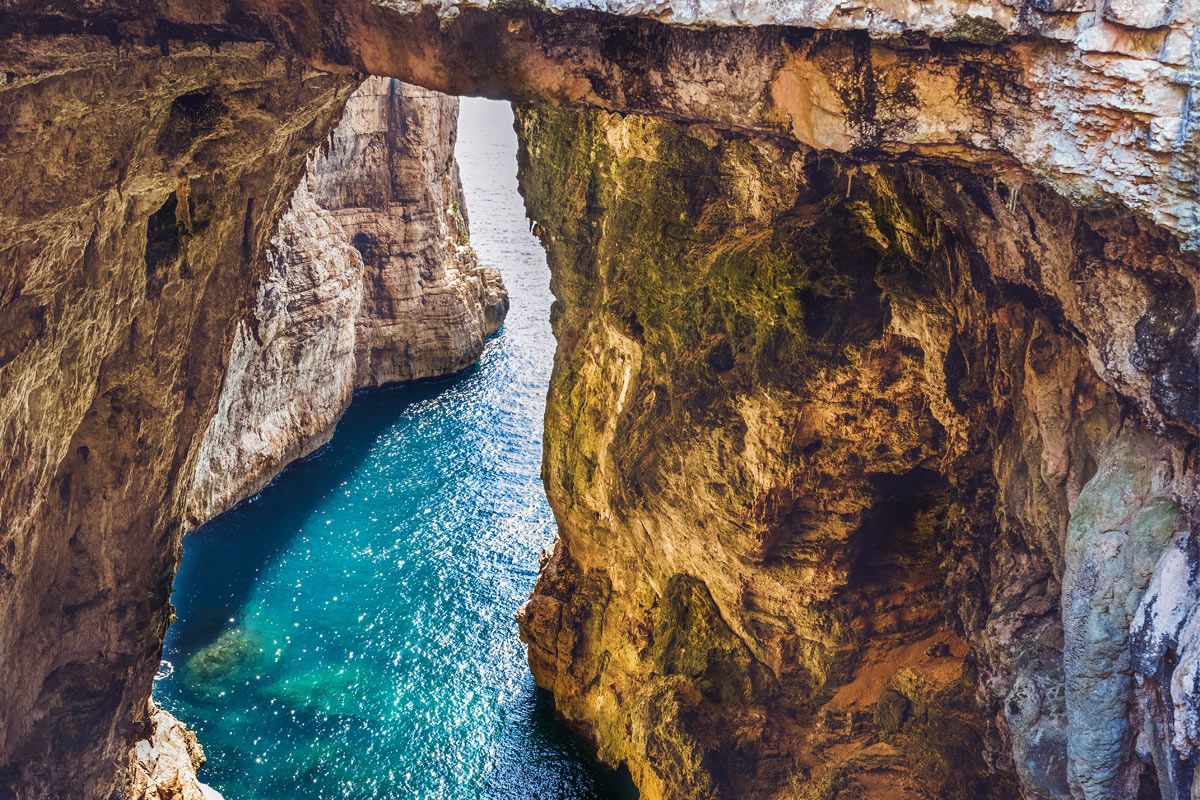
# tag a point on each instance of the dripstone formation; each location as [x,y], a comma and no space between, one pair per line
[873,429]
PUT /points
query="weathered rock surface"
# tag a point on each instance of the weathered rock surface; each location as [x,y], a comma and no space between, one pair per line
[372,280]
[166,762]
[846,334]
[803,409]
[138,192]
[389,178]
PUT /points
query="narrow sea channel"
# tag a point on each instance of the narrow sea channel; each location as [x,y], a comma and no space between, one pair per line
[349,633]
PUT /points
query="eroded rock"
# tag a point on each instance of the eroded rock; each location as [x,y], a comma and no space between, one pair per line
[841,403]
[165,763]
[829,393]
[372,280]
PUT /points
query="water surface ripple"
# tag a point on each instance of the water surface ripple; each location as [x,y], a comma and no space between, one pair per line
[349,633]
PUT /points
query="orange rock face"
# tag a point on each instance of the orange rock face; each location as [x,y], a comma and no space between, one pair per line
[844,499]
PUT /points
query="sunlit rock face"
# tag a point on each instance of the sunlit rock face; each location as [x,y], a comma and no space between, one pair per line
[389,178]
[165,763]
[372,280]
[848,496]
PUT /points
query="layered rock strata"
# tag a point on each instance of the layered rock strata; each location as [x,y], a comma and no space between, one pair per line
[975,274]
[847,505]
[372,280]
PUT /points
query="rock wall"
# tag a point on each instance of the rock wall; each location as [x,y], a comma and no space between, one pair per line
[372,280]
[847,506]
[139,186]
[390,179]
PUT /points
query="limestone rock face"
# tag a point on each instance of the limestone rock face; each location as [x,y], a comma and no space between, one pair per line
[291,369]
[371,280]
[389,178]
[139,187]
[166,762]
[849,499]
[1123,520]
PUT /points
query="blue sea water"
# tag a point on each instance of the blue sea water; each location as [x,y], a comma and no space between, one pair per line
[349,633]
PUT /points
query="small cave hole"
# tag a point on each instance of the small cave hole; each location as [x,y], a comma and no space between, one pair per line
[163,244]
[903,527]
[191,116]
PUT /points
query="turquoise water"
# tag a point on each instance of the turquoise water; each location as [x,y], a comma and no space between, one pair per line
[349,632]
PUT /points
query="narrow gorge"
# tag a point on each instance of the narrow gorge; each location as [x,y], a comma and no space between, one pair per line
[873,430]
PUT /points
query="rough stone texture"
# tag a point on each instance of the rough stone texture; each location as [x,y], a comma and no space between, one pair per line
[137,194]
[985,243]
[291,369]
[1101,111]
[390,179]
[385,190]
[802,409]
[166,762]
[1123,520]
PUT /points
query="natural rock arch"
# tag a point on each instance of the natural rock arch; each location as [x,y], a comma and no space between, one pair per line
[107,385]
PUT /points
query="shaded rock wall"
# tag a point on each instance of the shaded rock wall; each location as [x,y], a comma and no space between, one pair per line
[846,489]
[138,192]
[372,280]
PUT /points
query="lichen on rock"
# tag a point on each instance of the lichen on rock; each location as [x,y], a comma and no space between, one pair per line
[842,406]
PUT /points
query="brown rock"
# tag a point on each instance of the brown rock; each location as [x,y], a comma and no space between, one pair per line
[800,412]
[805,400]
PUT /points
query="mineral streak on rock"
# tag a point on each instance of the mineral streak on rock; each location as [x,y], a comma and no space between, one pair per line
[372,280]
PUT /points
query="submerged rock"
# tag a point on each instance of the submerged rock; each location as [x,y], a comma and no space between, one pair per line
[227,660]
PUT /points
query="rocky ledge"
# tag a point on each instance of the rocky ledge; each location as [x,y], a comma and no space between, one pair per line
[165,763]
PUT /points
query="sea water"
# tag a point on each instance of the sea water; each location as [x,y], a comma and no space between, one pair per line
[349,632]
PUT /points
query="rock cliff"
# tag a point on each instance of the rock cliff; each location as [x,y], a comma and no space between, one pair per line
[139,190]
[371,280]
[847,505]
[873,428]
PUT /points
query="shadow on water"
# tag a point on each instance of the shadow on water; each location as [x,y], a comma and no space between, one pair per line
[209,602]
[547,733]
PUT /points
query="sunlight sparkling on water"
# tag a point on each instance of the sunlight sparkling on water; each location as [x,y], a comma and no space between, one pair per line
[349,633]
